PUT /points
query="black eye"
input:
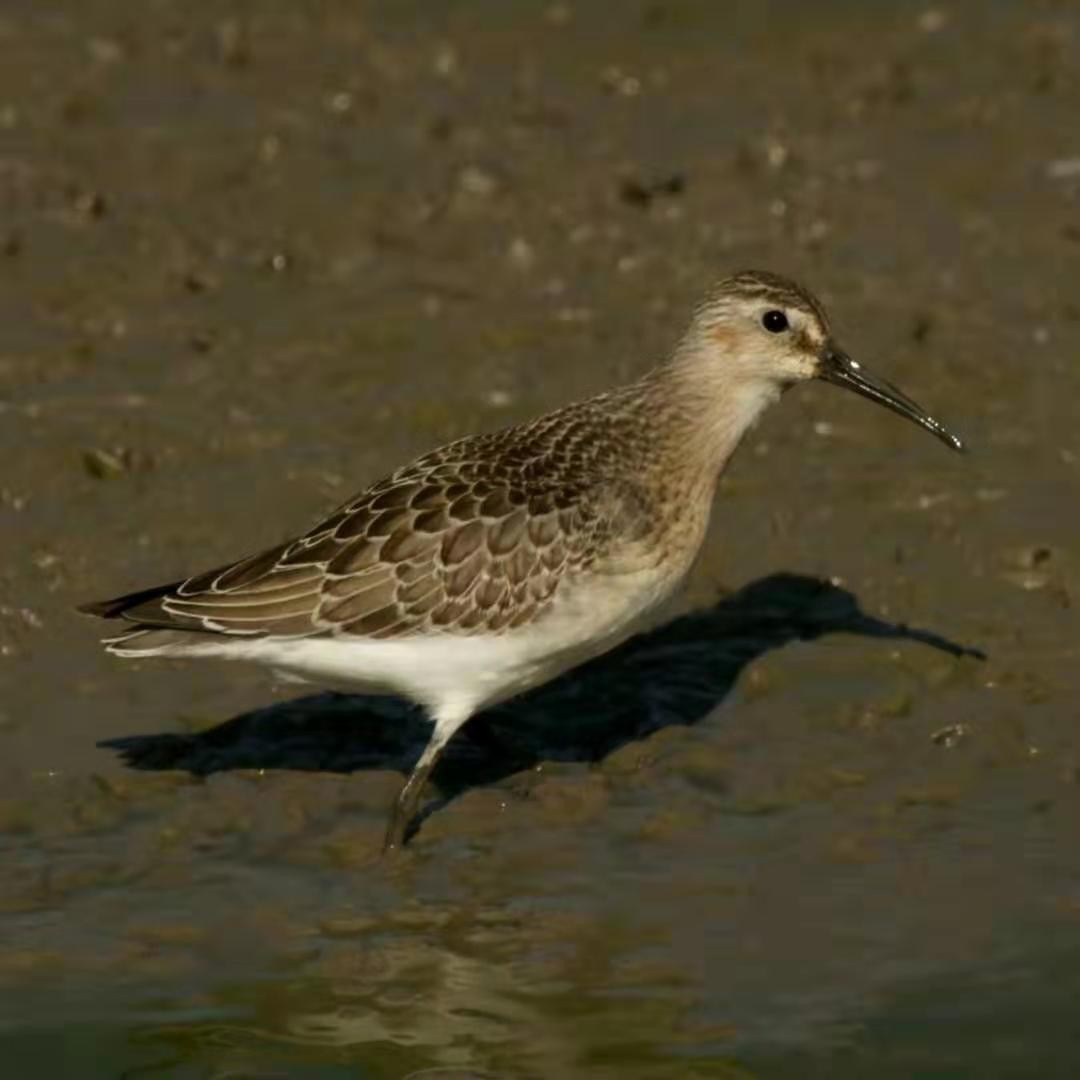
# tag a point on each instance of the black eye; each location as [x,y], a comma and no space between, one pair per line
[774,321]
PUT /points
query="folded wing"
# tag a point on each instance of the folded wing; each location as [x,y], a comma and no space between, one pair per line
[441,547]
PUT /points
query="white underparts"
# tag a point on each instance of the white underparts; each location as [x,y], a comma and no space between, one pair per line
[452,675]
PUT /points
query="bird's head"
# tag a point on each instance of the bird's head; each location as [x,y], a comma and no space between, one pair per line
[766,331]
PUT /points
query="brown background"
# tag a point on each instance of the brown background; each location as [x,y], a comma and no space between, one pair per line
[253,256]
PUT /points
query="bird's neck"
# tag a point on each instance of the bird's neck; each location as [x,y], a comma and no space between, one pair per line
[701,411]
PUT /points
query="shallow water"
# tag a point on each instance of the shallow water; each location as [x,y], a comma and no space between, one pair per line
[826,825]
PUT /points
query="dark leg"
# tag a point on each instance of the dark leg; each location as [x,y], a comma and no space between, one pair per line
[408,800]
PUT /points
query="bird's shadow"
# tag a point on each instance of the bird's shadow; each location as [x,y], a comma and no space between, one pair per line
[676,674]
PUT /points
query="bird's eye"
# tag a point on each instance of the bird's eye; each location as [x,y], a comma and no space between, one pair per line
[774,321]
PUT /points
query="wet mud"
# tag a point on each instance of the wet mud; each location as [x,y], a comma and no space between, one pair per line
[823,822]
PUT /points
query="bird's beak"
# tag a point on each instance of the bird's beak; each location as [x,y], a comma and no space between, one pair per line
[837,367]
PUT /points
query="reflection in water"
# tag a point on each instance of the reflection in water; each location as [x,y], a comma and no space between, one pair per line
[1011,1020]
[675,675]
[432,1012]
[478,1012]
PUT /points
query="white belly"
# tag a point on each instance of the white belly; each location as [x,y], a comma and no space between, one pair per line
[466,673]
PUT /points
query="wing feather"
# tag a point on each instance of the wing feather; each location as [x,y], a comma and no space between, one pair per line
[474,538]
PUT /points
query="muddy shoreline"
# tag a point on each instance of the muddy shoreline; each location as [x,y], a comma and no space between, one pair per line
[252,259]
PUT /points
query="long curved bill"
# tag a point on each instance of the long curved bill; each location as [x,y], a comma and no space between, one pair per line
[837,367]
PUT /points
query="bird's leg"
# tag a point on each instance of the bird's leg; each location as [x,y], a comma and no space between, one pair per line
[405,806]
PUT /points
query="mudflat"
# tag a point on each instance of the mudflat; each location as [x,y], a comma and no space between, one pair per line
[824,822]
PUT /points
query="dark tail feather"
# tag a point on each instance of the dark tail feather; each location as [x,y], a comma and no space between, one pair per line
[115,608]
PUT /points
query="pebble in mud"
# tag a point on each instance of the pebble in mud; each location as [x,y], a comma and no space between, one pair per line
[476,182]
[1029,567]
[950,736]
[102,464]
